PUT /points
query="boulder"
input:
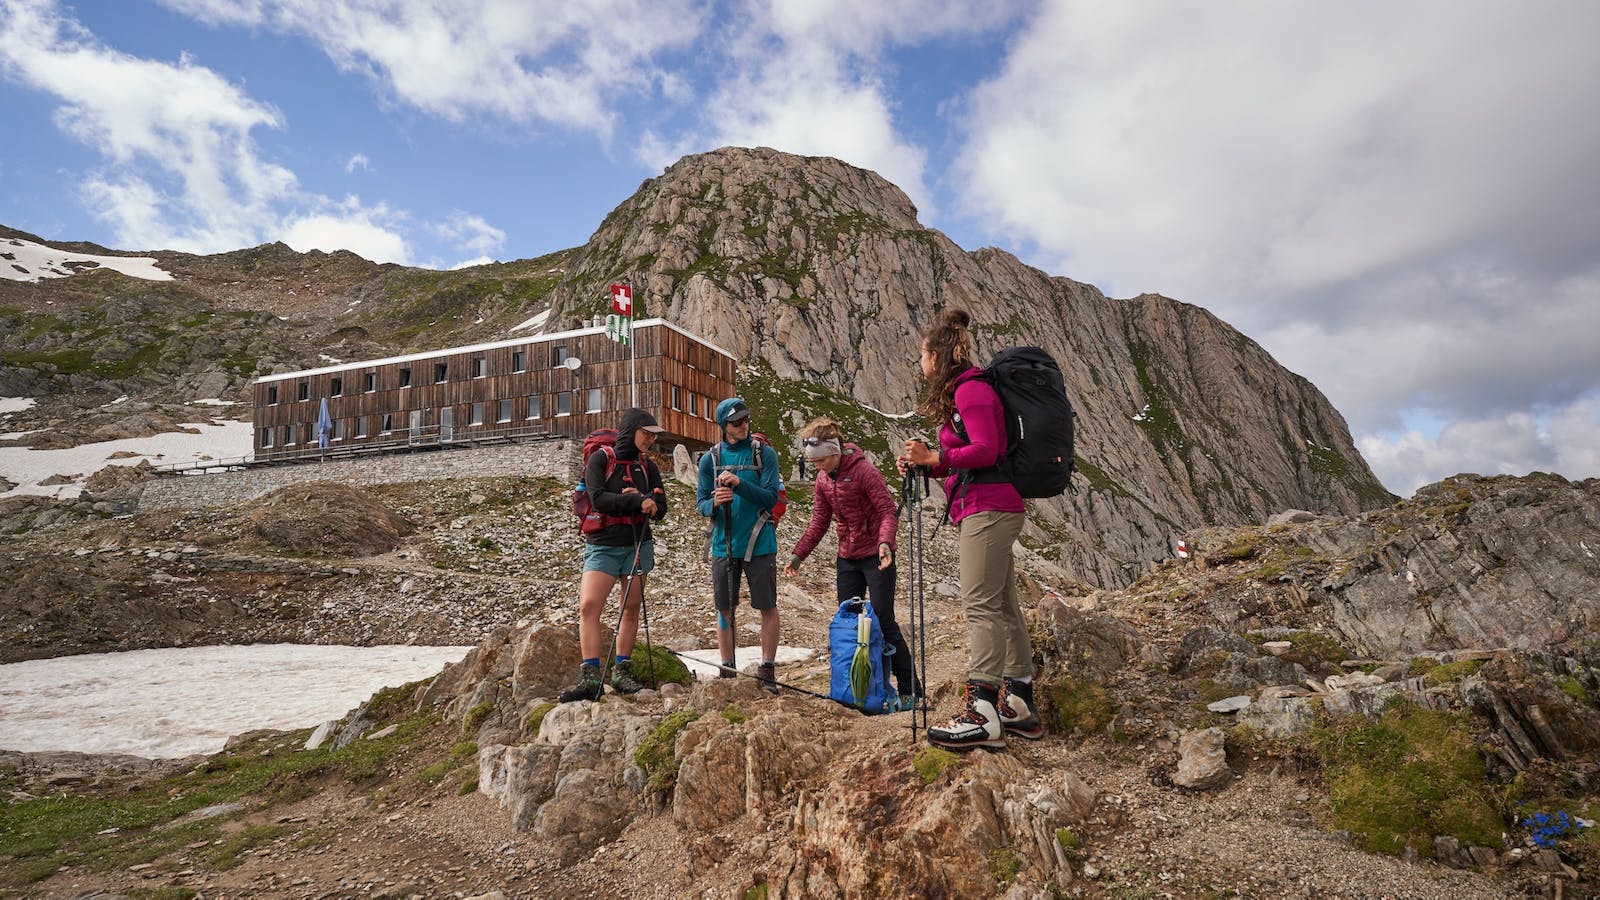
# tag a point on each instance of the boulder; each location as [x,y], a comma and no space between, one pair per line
[1203,760]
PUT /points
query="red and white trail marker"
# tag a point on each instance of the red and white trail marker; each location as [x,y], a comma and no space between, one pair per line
[1182,550]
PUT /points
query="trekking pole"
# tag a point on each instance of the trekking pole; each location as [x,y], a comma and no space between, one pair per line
[786,686]
[922,594]
[644,611]
[733,582]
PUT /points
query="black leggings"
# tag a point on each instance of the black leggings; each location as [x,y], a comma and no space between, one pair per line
[858,577]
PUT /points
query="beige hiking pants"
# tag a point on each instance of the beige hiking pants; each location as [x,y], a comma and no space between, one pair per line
[997,636]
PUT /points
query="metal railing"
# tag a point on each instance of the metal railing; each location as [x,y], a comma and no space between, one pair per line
[407,441]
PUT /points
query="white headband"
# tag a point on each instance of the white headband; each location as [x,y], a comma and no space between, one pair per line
[821,449]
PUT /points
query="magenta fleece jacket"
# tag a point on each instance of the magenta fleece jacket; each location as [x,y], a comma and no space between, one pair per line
[984,418]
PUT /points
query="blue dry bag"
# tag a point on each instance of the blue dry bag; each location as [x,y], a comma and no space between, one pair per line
[854,617]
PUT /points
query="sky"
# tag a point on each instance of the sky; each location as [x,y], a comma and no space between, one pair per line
[1400,202]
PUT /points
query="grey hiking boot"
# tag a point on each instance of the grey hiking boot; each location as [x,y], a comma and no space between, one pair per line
[622,680]
[727,670]
[588,687]
[1018,714]
[767,674]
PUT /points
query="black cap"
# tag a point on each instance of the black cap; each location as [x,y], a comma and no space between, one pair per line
[637,418]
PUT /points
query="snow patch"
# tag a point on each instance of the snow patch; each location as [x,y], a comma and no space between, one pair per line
[27,261]
[181,701]
[536,323]
[26,467]
[16,404]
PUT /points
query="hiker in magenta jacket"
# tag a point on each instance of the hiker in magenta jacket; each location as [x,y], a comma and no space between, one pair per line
[849,489]
[989,514]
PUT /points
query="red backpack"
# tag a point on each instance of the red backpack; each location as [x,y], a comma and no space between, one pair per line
[591,520]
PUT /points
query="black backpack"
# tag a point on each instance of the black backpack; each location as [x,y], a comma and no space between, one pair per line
[1038,460]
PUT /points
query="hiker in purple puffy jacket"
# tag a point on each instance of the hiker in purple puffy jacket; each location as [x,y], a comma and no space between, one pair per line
[851,491]
[989,515]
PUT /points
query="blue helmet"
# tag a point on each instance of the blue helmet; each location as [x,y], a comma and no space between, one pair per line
[732,409]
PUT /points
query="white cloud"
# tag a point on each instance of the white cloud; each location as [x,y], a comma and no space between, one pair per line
[472,233]
[475,261]
[182,170]
[358,161]
[1564,440]
[364,231]
[1400,205]
[555,61]
[811,78]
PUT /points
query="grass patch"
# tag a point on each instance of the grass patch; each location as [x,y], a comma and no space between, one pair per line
[1414,773]
[38,837]
[1573,688]
[931,762]
[734,715]
[1437,674]
[668,669]
[1004,864]
[475,717]
[435,773]
[1072,705]
[656,753]
[1313,650]
[535,718]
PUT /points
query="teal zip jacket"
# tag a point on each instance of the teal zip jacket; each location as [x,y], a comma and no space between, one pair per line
[749,499]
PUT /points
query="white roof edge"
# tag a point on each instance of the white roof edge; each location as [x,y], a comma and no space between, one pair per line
[509,342]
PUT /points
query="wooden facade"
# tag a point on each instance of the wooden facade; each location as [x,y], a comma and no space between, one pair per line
[514,389]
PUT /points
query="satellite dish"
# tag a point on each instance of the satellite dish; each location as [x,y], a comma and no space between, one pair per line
[572,363]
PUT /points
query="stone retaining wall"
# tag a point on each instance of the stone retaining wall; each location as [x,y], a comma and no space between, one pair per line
[558,459]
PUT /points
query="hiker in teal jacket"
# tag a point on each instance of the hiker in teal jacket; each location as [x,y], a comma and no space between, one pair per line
[737,490]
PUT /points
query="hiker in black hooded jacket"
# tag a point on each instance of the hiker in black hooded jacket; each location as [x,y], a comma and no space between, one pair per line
[629,497]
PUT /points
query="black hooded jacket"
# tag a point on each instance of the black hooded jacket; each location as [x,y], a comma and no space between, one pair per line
[608,494]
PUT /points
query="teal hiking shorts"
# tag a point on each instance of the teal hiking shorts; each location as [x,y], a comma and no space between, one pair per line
[619,561]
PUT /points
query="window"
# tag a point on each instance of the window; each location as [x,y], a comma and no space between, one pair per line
[480,367]
[677,397]
[505,411]
[388,423]
[594,401]
[519,361]
[405,378]
[477,413]
[371,382]
[534,407]
[338,430]
[558,356]
[441,373]
[288,436]
[336,387]
[361,426]
[266,437]
[272,399]
[563,404]
[305,390]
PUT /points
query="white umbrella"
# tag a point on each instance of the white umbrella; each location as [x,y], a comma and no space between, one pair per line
[324,425]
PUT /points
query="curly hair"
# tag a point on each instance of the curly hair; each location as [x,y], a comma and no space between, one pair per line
[951,344]
[822,428]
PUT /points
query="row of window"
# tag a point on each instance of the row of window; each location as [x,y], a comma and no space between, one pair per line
[417,419]
[441,375]
[693,404]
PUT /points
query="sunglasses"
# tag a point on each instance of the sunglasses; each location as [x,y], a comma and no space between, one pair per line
[812,442]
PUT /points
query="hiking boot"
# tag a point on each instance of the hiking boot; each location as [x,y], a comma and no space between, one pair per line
[905,703]
[767,674]
[727,670]
[978,723]
[1018,715]
[622,680]
[589,686]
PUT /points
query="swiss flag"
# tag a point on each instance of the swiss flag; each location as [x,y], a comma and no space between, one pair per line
[622,299]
